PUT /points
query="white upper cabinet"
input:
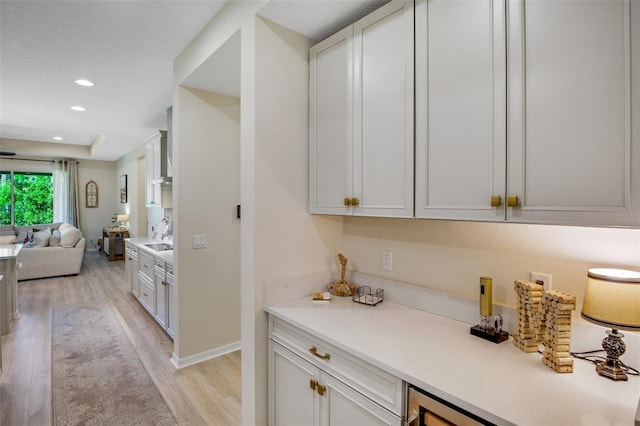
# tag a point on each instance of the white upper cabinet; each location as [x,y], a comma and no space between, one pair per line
[460,109]
[331,124]
[361,123]
[574,143]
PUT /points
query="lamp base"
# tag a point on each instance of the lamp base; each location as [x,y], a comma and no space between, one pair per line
[614,346]
[611,369]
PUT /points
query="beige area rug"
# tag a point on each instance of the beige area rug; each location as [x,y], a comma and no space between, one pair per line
[98,378]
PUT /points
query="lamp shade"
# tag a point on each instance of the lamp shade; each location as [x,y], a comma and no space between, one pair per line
[612,298]
[122,218]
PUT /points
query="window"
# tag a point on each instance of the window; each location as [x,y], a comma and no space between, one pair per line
[26,198]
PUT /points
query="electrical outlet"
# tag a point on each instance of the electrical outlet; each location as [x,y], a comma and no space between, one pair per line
[541,278]
[387,260]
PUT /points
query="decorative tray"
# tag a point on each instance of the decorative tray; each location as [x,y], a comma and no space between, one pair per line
[365,296]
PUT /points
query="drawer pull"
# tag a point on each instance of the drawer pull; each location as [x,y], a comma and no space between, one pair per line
[321,390]
[313,383]
[314,351]
[145,294]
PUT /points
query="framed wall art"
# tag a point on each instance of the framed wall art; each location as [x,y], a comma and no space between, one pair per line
[91,194]
[123,189]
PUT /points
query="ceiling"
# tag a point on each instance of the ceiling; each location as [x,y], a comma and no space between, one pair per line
[127,49]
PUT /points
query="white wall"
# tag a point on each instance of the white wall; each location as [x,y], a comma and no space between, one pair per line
[92,220]
[206,190]
[132,165]
[451,256]
[289,242]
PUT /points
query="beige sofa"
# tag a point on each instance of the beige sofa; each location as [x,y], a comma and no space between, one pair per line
[53,250]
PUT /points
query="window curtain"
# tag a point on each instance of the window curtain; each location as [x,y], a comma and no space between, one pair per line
[66,207]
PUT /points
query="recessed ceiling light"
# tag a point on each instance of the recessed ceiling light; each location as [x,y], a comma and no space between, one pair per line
[57,138]
[77,108]
[85,83]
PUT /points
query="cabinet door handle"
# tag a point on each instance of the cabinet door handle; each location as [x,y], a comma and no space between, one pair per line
[313,383]
[314,351]
[496,201]
[347,201]
[355,201]
[513,201]
[321,390]
[145,294]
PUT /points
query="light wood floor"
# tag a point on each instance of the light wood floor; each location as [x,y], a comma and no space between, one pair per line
[204,394]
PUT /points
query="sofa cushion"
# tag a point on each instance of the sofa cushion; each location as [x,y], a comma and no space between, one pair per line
[41,238]
[7,239]
[54,241]
[69,235]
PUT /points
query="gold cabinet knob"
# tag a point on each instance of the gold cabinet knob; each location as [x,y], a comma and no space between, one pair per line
[313,383]
[513,201]
[355,201]
[347,201]
[321,390]
[496,201]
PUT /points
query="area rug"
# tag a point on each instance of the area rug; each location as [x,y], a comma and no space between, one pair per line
[97,376]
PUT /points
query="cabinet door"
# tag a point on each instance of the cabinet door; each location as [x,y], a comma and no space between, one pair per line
[343,406]
[171,314]
[148,160]
[383,112]
[460,109]
[292,401]
[571,142]
[161,293]
[147,293]
[331,124]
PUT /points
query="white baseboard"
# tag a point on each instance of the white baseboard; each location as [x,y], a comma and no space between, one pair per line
[204,356]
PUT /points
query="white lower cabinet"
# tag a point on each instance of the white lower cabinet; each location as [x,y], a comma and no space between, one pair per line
[131,268]
[164,314]
[322,385]
[152,283]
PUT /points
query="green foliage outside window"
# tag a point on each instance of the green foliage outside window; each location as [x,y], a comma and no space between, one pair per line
[33,198]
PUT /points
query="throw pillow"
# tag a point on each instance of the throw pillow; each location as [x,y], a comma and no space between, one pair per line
[69,236]
[7,239]
[41,238]
[54,241]
[24,234]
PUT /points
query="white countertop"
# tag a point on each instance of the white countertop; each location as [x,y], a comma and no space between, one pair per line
[166,255]
[9,251]
[495,381]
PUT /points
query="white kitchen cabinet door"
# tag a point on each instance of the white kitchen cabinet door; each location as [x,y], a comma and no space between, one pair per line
[131,269]
[361,117]
[460,109]
[574,143]
[383,112]
[331,124]
[171,316]
[292,401]
[343,406]
[162,310]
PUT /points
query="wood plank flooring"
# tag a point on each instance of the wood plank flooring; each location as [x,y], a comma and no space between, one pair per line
[204,394]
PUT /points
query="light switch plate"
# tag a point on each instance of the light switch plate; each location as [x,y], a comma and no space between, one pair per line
[199,241]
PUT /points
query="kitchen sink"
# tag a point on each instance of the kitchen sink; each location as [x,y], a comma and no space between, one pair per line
[160,246]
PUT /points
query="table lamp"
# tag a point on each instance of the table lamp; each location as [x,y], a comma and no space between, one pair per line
[612,299]
[122,218]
